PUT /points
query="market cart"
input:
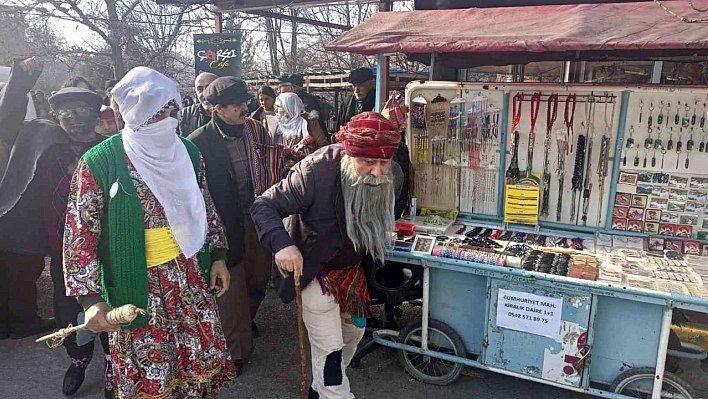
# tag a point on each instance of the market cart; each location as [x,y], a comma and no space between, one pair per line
[507,177]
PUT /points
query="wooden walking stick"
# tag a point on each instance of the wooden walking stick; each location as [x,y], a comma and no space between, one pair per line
[118,316]
[300,334]
[301,338]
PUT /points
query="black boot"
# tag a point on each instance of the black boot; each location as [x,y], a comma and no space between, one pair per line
[313,394]
[238,365]
[74,377]
[4,332]
[254,330]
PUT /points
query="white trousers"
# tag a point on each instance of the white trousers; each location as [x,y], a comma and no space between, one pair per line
[333,342]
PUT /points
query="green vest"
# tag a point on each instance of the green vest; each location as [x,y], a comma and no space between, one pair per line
[121,251]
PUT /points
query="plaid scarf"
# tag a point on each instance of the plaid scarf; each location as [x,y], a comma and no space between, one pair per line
[349,288]
[267,164]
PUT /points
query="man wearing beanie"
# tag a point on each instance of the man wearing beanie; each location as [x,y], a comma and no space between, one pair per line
[241,163]
[338,207]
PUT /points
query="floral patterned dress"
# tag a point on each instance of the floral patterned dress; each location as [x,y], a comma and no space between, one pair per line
[181,353]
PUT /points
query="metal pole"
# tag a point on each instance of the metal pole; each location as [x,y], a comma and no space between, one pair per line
[661,356]
[431,76]
[501,183]
[218,22]
[566,72]
[616,159]
[381,81]
[656,72]
[426,308]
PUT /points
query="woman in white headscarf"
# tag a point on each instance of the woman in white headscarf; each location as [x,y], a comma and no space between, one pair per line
[141,229]
[298,132]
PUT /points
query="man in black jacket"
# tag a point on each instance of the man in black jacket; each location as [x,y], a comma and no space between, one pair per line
[338,207]
[240,164]
[362,98]
[198,114]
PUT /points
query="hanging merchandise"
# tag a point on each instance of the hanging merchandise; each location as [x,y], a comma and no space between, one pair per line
[419,129]
[478,175]
[565,147]
[587,183]
[629,143]
[457,127]
[603,163]
[577,181]
[535,107]
[513,172]
[551,115]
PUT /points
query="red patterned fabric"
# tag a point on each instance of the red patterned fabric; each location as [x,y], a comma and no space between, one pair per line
[182,352]
[370,135]
[349,288]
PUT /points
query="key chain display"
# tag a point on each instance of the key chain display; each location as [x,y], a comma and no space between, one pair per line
[665,198]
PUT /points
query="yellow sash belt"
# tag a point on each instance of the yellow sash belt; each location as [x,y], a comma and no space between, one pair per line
[160,246]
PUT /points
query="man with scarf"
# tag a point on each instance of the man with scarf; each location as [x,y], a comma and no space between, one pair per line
[338,206]
[241,163]
[141,229]
[199,114]
[362,98]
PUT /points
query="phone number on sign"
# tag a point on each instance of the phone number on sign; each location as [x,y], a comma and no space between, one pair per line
[527,317]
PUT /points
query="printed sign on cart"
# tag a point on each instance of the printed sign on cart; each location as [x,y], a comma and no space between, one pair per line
[534,314]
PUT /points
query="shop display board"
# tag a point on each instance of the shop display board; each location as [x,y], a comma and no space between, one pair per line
[621,160]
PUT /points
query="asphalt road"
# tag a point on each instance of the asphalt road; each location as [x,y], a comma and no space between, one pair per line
[33,371]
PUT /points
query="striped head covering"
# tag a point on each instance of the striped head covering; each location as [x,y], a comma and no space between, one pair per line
[370,135]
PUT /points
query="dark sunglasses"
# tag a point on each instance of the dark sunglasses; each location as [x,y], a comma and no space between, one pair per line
[81,112]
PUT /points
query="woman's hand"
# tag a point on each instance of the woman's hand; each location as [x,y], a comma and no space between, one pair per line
[96,321]
[220,278]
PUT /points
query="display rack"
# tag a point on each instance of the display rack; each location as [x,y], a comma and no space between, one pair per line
[574,142]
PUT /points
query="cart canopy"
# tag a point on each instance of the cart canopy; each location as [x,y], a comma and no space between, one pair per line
[506,35]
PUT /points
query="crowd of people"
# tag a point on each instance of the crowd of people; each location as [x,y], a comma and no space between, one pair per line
[188,211]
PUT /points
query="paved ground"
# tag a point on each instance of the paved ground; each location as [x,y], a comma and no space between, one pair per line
[32,371]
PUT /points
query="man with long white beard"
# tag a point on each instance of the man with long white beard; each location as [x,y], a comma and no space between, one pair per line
[339,205]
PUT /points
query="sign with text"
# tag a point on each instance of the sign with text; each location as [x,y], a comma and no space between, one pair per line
[534,314]
[218,53]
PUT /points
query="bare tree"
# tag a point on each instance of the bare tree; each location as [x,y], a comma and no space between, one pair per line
[126,27]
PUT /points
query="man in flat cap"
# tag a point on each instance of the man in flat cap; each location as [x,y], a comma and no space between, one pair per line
[362,98]
[33,201]
[335,208]
[241,163]
[198,114]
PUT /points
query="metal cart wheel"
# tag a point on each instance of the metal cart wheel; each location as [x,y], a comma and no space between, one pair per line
[638,383]
[430,370]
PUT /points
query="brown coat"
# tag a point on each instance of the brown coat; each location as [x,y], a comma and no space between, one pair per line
[307,209]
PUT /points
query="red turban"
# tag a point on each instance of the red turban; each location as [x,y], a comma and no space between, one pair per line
[370,135]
